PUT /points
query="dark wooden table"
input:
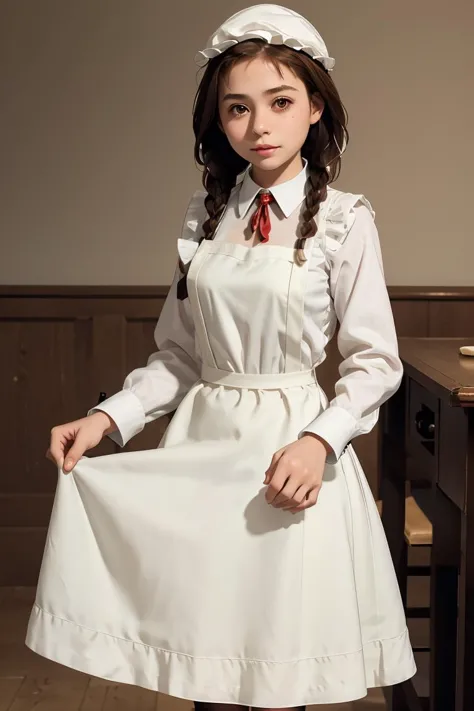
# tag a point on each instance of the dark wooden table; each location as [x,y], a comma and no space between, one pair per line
[427,438]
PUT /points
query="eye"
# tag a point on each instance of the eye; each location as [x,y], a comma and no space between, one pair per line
[287,103]
[237,106]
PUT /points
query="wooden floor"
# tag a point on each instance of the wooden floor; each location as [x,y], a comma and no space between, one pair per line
[28,681]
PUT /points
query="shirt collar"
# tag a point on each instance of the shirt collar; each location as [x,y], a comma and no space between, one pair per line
[288,194]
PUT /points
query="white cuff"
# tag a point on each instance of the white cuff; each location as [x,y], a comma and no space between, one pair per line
[336,426]
[127,412]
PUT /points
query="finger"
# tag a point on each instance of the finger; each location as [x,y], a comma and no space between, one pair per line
[56,448]
[288,492]
[297,499]
[273,465]
[60,449]
[75,453]
[277,483]
[310,500]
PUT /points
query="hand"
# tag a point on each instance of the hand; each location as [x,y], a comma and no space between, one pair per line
[295,474]
[74,438]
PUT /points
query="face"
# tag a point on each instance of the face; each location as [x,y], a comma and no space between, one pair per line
[258,106]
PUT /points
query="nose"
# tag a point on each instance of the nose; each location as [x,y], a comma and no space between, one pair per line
[259,124]
[259,130]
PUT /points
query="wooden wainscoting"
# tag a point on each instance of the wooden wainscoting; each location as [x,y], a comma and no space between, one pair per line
[62,346]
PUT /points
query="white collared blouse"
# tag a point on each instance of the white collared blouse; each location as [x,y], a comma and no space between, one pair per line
[345,283]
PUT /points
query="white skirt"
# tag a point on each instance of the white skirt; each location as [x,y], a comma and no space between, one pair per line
[168,569]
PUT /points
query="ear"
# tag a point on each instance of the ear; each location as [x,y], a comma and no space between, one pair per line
[317,108]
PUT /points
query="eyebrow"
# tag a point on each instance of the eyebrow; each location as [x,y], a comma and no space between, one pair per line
[275,90]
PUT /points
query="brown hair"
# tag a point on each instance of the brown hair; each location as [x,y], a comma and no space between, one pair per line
[222,165]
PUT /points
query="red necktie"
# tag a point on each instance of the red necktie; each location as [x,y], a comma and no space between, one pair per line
[261,217]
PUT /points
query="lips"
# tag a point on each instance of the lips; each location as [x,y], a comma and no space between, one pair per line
[263,148]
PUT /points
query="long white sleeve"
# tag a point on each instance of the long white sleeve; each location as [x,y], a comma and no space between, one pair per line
[158,387]
[371,370]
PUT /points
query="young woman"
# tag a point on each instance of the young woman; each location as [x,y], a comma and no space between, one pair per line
[243,561]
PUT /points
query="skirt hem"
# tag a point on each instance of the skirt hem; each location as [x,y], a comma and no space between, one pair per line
[330,679]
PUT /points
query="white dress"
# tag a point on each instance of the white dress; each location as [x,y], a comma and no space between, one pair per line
[167,568]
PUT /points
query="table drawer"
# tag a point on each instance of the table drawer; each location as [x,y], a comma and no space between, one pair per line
[422,432]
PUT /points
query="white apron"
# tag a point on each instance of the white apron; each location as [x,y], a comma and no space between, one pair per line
[167,568]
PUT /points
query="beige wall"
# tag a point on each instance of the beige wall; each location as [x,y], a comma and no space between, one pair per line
[96,139]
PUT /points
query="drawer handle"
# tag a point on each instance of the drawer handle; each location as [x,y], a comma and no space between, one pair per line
[424,423]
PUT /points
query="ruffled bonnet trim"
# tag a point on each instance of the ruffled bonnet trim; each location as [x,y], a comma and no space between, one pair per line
[272,37]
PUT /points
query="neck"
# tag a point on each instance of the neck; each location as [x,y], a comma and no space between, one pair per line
[286,171]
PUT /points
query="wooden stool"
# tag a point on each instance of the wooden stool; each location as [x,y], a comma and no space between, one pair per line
[418,528]
[418,532]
